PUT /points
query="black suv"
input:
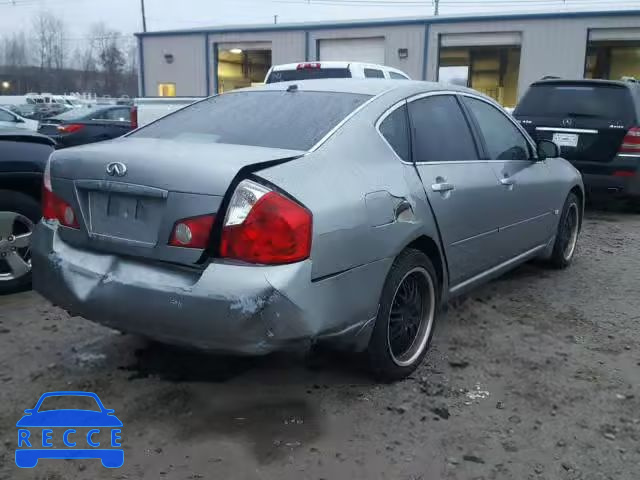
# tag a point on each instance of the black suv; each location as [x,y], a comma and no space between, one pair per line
[596,124]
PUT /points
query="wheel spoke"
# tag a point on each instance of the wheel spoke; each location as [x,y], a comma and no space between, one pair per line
[22,241]
[17,265]
[7,220]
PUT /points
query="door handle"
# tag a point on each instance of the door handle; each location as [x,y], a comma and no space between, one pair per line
[442,187]
[507,182]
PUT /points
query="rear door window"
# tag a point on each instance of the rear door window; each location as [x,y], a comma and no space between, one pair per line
[6,116]
[373,73]
[397,76]
[579,100]
[395,129]
[307,74]
[439,130]
[277,119]
[503,139]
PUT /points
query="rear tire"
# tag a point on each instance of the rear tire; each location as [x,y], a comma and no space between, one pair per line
[25,210]
[568,232]
[406,317]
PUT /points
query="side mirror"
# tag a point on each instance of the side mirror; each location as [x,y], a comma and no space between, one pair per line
[29,411]
[547,149]
[18,120]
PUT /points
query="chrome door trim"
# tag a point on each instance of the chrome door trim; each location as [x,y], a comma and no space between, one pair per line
[566,130]
[511,262]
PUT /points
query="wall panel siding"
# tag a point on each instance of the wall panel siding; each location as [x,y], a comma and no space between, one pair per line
[549,46]
[187,71]
[408,36]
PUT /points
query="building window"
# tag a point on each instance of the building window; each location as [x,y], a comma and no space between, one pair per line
[492,70]
[166,89]
[242,65]
[613,60]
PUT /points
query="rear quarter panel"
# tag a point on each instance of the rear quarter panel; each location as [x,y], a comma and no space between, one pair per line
[352,185]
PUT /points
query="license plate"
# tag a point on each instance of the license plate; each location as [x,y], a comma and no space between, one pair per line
[566,139]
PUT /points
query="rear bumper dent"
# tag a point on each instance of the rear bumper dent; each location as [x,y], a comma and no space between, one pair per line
[225,308]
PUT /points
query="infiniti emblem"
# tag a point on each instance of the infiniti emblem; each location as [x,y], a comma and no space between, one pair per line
[567,122]
[117,169]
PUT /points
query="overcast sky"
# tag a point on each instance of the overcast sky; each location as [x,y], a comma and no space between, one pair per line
[124,15]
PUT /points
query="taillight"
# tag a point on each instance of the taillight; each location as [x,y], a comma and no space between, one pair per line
[71,128]
[134,118]
[53,207]
[631,142]
[305,66]
[192,232]
[263,226]
[624,173]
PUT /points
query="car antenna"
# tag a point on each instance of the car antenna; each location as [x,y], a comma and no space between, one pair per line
[292,88]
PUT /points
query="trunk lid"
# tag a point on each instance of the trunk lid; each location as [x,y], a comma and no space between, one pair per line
[129,193]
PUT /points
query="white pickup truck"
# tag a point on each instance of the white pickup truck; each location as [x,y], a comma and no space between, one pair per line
[150,109]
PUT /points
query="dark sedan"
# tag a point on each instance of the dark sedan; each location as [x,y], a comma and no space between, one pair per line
[83,125]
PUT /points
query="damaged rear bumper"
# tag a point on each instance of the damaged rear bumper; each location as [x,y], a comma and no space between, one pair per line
[225,308]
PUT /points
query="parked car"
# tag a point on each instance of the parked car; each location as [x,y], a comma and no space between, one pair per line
[149,109]
[10,119]
[596,124]
[345,211]
[317,70]
[23,156]
[81,126]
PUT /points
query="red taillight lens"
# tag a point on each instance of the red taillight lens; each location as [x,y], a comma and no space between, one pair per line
[631,142]
[71,128]
[192,232]
[54,208]
[265,227]
[134,118]
[624,173]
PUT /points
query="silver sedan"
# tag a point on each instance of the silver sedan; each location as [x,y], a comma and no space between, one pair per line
[339,211]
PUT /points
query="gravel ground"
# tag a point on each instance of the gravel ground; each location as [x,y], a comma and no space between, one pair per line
[534,376]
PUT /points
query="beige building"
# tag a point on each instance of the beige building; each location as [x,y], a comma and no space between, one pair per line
[497,55]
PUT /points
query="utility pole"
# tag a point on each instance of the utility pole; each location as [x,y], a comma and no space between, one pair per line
[436,7]
[144,16]
[275,19]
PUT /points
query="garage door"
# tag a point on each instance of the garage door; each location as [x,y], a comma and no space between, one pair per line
[367,50]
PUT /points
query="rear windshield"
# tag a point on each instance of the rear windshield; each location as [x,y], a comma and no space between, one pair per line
[579,100]
[276,119]
[308,74]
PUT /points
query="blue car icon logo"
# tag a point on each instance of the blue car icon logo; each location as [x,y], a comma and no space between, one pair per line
[69,433]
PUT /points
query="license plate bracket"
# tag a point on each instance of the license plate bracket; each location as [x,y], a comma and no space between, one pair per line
[127,217]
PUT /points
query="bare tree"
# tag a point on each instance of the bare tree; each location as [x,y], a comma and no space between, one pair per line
[110,57]
[48,33]
[15,51]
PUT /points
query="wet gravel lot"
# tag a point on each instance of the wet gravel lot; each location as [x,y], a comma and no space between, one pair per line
[534,376]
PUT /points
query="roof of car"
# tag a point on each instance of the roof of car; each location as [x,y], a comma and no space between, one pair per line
[372,86]
[23,135]
[585,81]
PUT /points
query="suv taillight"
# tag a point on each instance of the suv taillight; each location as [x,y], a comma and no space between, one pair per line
[71,128]
[263,226]
[631,142]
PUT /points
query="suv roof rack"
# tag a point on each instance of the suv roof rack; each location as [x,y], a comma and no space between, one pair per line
[551,77]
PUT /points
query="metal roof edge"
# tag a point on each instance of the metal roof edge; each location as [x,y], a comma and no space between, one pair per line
[388,22]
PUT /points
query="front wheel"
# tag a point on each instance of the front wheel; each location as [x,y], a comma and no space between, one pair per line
[566,241]
[406,317]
